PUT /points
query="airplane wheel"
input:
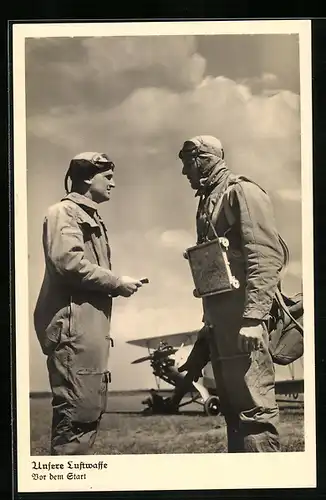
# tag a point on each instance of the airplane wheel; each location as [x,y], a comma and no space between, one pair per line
[212,406]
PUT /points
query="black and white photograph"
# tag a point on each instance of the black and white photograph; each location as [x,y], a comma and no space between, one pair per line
[163,255]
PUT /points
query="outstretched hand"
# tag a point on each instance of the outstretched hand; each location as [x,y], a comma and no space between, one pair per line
[128,286]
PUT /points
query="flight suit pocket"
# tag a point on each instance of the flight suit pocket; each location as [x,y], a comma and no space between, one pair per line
[52,339]
[53,333]
[93,391]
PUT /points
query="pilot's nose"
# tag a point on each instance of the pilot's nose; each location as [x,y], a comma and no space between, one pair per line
[184,170]
[112,183]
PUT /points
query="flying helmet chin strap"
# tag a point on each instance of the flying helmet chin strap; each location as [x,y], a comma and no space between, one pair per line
[67,176]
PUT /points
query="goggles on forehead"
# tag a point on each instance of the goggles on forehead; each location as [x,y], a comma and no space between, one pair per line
[85,165]
[187,154]
[102,161]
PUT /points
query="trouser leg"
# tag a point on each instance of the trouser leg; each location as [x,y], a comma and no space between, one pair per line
[79,401]
[251,410]
[259,413]
[235,441]
[247,385]
[72,438]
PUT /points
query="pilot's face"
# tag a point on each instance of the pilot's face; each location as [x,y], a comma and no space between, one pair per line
[190,167]
[190,170]
[101,185]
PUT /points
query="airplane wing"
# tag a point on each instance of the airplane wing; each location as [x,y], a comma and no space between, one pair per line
[173,339]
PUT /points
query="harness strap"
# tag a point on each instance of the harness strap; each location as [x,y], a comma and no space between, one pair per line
[223,202]
[285,308]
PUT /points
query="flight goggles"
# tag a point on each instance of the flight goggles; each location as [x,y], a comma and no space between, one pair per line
[85,165]
[100,160]
[189,153]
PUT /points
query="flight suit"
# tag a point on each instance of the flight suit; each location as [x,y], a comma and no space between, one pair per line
[245,381]
[72,320]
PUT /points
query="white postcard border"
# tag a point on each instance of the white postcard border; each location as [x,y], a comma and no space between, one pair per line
[162,472]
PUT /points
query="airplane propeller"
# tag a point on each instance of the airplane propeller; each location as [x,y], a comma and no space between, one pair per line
[141,360]
[155,355]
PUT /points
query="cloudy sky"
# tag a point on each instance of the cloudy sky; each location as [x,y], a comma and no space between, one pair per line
[138,99]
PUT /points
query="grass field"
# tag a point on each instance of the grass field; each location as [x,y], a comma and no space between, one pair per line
[125,431]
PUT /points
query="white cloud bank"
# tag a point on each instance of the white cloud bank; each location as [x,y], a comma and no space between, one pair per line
[165,99]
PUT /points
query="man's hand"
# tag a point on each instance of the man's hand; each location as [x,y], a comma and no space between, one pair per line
[128,286]
[251,336]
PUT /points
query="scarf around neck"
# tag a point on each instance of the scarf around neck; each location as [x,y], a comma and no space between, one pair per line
[220,175]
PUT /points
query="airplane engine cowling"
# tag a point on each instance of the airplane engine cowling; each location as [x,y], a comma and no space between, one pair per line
[167,368]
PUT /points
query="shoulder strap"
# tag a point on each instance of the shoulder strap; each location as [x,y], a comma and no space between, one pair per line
[285,309]
[218,208]
[224,203]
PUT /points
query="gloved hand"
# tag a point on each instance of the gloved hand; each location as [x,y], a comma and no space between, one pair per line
[251,336]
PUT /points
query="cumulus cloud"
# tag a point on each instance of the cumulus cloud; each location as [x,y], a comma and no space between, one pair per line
[178,240]
[262,83]
[139,100]
[259,60]
[92,72]
[261,135]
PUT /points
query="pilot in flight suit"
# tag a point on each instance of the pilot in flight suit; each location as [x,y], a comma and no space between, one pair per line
[238,339]
[73,310]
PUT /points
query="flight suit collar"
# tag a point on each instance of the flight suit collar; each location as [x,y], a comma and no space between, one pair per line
[82,200]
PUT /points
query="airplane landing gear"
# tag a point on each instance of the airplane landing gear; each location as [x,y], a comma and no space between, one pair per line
[212,406]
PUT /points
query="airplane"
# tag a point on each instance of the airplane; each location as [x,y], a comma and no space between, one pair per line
[167,353]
